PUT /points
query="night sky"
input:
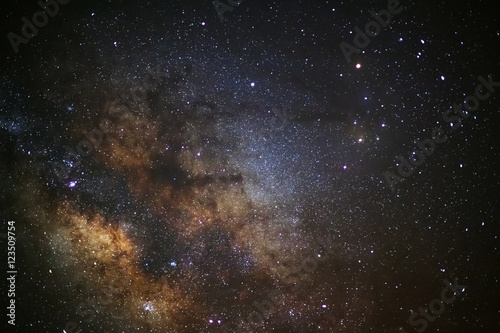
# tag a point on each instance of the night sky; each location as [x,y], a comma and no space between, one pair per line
[209,167]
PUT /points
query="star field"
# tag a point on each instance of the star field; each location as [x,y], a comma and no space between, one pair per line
[182,167]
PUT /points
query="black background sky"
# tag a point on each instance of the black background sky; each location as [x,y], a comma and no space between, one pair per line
[200,201]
